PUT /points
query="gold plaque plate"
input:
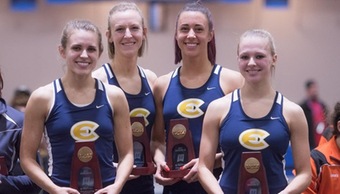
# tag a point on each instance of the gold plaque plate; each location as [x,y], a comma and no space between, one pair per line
[137,129]
[179,131]
[85,154]
[252,165]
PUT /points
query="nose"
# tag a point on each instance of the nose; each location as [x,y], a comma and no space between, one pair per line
[84,54]
[127,33]
[191,33]
[251,61]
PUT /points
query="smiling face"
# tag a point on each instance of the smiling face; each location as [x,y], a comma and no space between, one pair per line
[81,51]
[193,34]
[126,32]
[255,59]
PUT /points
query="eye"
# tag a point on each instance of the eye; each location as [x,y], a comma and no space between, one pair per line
[244,57]
[91,49]
[120,29]
[76,48]
[199,29]
[184,29]
[260,56]
[135,28]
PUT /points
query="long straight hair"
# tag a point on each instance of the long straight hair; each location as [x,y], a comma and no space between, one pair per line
[211,47]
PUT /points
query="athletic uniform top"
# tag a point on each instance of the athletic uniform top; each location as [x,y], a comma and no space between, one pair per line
[182,102]
[68,123]
[11,122]
[269,135]
[141,104]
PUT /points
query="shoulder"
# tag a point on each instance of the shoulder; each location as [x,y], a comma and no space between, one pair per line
[43,93]
[291,107]
[231,79]
[100,74]
[150,75]
[220,107]
[113,91]
[222,103]
[293,112]
[163,81]
[40,100]
[116,97]
[227,71]
[231,75]
[114,94]
[161,84]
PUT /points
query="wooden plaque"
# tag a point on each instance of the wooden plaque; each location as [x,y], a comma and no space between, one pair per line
[141,148]
[179,149]
[85,172]
[253,178]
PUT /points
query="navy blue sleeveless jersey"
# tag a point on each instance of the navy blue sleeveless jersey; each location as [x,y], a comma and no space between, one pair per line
[68,123]
[269,135]
[182,102]
[141,104]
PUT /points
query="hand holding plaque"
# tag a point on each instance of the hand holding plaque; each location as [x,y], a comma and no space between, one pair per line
[141,148]
[253,178]
[3,166]
[180,148]
[85,172]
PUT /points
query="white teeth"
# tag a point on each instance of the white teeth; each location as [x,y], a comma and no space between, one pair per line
[83,63]
[191,44]
[253,70]
[128,44]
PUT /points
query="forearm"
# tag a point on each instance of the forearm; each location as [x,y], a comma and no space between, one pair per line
[123,170]
[208,181]
[312,188]
[298,184]
[37,175]
[206,164]
[158,150]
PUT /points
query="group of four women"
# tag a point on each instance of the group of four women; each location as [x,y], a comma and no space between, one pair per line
[220,105]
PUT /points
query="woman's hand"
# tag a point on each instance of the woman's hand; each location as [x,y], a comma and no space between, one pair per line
[192,176]
[163,180]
